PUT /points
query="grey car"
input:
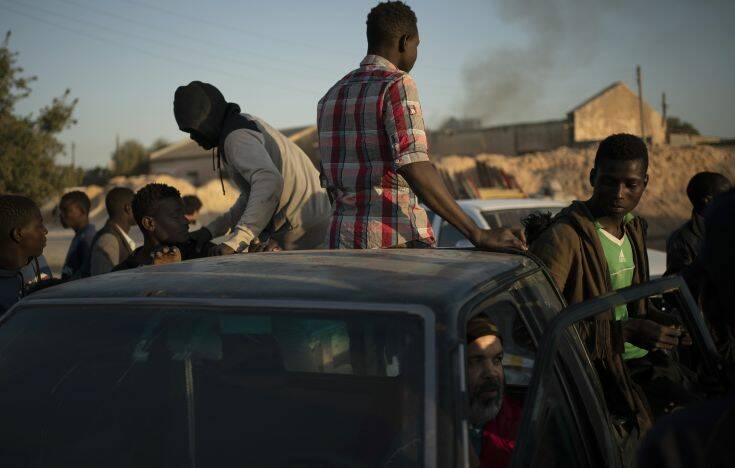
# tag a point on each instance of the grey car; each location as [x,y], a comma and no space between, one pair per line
[323,358]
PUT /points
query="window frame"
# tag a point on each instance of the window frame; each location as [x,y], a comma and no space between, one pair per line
[552,343]
[569,364]
[237,306]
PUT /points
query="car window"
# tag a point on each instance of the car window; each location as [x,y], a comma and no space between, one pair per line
[173,387]
[431,216]
[512,218]
[520,313]
[449,235]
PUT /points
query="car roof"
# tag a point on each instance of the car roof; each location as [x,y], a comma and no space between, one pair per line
[492,204]
[438,278]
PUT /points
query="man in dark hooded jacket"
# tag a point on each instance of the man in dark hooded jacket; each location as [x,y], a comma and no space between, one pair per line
[597,246]
[280,192]
[684,244]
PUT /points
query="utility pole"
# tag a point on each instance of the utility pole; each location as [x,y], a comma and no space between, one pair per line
[640,99]
[73,153]
[663,116]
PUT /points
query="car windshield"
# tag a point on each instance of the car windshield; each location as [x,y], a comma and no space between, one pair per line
[180,387]
[511,218]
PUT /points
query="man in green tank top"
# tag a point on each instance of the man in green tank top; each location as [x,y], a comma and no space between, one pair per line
[597,246]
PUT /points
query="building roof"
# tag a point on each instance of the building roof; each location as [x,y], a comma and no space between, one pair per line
[438,278]
[612,87]
[188,149]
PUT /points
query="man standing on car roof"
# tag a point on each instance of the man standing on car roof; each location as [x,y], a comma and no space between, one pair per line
[280,194]
[374,151]
[597,246]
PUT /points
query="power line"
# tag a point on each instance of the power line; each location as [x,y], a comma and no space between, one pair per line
[211,54]
[202,20]
[204,52]
[198,39]
[148,52]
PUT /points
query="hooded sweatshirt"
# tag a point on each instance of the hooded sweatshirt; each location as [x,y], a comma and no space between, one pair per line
[571,250]
[279,186]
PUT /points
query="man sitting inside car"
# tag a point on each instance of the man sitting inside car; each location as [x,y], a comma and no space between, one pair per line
[494,416]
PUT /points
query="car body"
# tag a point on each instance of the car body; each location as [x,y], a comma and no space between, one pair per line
[508,212]
[322,358]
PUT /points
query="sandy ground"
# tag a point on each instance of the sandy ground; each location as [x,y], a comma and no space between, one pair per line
[565,170]
[665,204]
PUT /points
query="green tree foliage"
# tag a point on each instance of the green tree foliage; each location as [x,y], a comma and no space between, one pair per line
[160,143]
[28,143]
[676,125]
[131,157]
[97,176]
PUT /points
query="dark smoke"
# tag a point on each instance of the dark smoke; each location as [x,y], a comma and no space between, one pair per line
[509,81]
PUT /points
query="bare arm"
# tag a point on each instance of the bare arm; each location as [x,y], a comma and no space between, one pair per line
[429,186]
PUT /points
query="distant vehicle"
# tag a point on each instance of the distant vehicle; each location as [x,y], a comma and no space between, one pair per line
[307,359]
[508,212]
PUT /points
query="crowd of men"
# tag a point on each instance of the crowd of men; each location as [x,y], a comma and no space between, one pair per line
[365,194]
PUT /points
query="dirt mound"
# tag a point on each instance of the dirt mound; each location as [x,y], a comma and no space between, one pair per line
[665,202]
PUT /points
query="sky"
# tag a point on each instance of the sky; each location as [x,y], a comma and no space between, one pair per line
[502,61]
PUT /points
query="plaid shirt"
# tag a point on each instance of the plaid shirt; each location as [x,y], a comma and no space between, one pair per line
[370,125]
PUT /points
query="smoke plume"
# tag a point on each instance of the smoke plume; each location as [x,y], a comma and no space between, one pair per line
[508,82]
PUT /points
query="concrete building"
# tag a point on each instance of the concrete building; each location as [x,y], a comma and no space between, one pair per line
[612,110]
[187,160]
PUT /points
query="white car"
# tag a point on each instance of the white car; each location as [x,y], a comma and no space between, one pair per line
[508,212]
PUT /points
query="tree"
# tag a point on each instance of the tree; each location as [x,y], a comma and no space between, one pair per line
[131,157]
[97,176]
[676,125]
[28,144]
[160,143]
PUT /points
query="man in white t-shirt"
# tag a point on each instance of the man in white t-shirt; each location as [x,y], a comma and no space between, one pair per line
[281,197]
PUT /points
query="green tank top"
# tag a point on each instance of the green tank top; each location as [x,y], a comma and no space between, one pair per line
[620,264]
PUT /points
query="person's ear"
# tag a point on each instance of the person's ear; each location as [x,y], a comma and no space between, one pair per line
[707,199]
[16,235]
[148,223]
[645,181]
[593,176]
[402,42]
[128,209]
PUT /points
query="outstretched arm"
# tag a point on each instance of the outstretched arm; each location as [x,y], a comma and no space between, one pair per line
[429,186]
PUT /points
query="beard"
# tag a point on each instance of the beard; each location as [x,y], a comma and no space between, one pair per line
[483,411]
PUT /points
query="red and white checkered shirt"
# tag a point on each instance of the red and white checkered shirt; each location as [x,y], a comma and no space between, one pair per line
[370,125]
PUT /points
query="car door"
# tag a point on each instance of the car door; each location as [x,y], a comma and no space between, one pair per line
[545,414]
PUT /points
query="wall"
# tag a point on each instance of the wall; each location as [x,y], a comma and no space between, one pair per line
[507,139]
[615,111]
